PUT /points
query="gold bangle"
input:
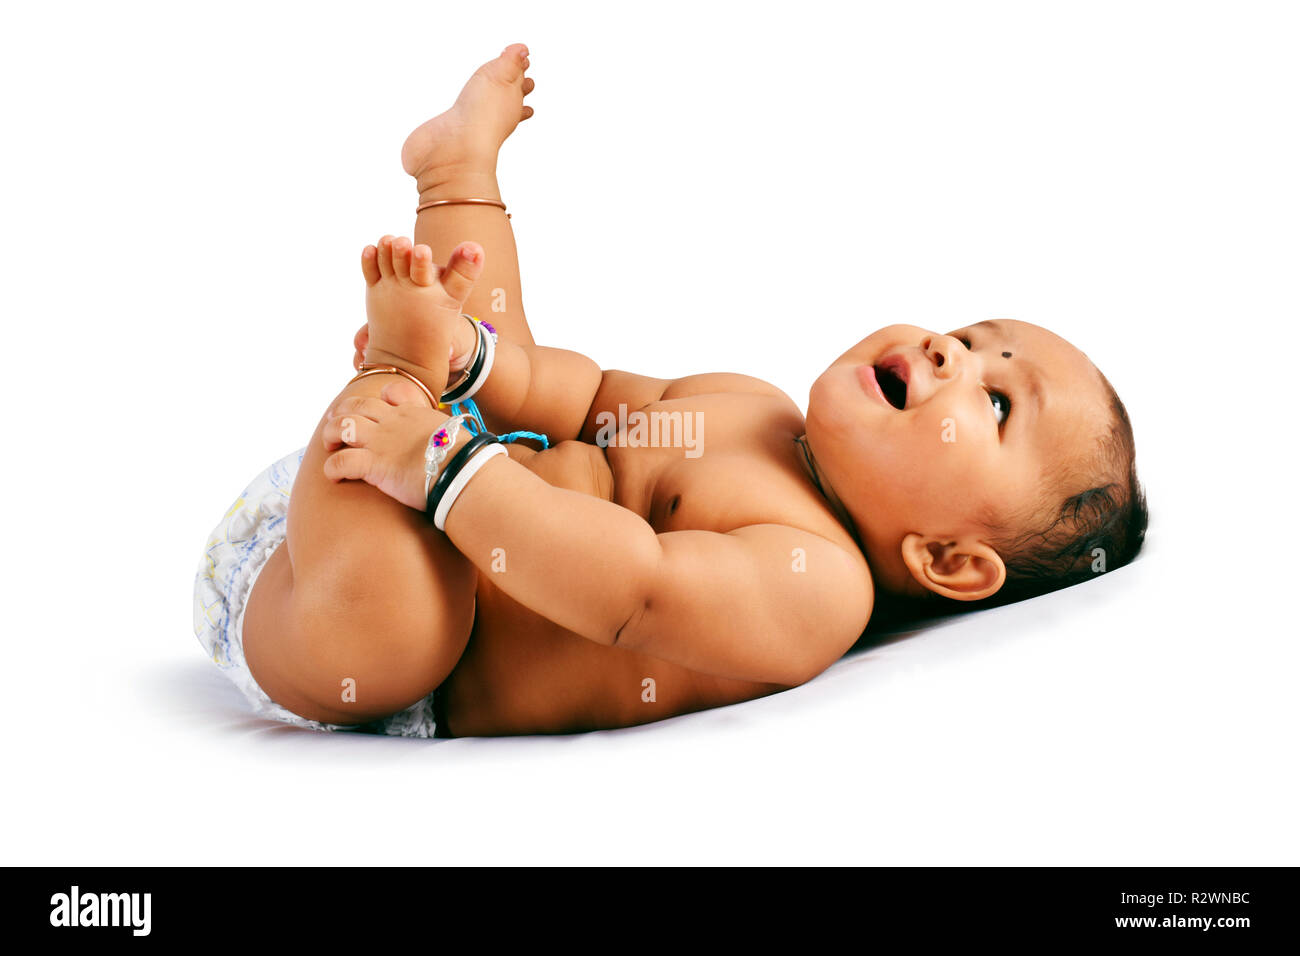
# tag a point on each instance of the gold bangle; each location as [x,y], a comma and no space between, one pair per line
[367,370]
[461,202]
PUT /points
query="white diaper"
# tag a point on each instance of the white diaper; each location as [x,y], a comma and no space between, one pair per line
[236,552]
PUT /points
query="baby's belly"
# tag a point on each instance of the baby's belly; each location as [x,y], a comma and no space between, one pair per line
[521,673]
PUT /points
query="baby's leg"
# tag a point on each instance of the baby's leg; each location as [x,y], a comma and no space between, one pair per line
[364,587]
[365,596]
[454,156]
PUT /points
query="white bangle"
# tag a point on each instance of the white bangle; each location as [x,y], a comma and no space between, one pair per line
[467,471]
[490,353]
[480,365]
[469,364]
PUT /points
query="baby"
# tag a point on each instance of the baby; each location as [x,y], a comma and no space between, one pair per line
[677,544]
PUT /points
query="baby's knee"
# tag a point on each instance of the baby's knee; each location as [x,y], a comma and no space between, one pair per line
[354,668]
[340,657]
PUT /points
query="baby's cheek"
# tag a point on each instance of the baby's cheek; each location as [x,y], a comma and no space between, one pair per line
[951,443]
[940,432]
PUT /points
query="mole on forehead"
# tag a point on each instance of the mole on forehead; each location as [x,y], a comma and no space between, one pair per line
[1035,377]
[995,326]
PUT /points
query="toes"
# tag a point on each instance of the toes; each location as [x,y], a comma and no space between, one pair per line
[422,265]
[463,270]
[510,65]
[529,85]
[386,256]
[402,257]
[525,113]
[370,264]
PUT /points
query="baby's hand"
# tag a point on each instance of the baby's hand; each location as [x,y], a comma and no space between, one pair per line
[381,441]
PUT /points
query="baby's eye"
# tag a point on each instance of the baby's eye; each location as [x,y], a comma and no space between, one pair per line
[1001,407]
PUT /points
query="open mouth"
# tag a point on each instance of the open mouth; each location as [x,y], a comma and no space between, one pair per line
[892,378]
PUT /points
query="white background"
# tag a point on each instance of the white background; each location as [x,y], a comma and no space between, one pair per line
[186,191]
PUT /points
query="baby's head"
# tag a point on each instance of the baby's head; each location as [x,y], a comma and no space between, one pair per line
[994,461]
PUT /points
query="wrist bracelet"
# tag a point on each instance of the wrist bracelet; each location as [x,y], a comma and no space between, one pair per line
[461,479]
[439,446]
[434,498]
[465,373]
[480,368]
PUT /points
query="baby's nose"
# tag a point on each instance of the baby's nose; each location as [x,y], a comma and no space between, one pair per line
[942,351]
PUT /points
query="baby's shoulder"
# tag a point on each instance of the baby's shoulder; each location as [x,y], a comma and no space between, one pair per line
[710,383]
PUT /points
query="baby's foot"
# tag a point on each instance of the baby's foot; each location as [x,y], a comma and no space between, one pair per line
[413,308]
[467,137]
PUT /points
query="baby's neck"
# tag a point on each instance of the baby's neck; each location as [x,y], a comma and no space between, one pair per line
[823,485]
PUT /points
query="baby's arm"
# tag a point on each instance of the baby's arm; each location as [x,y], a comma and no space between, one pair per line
[538,388]
[560,392]
[731,604]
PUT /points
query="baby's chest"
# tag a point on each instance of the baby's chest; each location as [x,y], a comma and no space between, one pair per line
[708,463]
[713,462]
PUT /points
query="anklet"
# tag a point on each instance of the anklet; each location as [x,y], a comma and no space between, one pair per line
[394,370]
[461,202]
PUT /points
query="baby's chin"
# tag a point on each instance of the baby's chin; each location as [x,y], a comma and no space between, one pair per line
[843,406]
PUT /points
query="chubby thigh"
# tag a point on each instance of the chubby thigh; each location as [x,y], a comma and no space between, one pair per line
[364,609]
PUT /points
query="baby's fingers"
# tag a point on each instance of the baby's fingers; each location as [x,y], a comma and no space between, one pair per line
[360,341]
[402,392]
[347,430]
[349,464]
[362,406]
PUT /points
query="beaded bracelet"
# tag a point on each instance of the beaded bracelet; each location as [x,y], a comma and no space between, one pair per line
[439,446]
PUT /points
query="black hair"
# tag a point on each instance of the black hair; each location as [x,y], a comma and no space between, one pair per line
[1092,531]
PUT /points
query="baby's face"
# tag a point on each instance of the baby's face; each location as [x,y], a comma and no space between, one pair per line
[935,434]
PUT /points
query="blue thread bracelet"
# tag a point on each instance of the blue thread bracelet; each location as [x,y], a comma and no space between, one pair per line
[474,425]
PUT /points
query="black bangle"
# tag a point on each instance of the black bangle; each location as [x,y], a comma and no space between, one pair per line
[458,461]
[468,382]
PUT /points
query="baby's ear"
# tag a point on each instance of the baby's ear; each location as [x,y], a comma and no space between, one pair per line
[964,569]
